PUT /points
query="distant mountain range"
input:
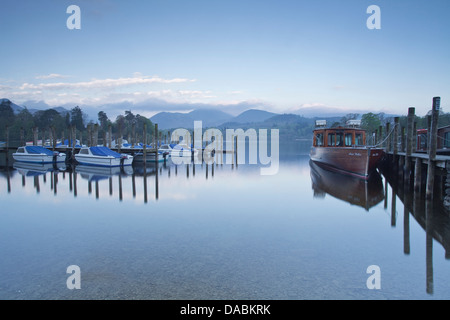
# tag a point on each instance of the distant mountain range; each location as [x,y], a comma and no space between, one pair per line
[16,108]
[300,122]
[209,118]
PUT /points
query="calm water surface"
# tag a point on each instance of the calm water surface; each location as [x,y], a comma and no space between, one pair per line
[216,232]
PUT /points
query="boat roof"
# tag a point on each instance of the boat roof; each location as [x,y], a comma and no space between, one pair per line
[104,152]
[38,150]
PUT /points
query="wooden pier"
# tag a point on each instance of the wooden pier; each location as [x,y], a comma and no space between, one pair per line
[424,172]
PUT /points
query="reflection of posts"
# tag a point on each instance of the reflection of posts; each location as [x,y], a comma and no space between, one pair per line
[8,179]
[145,183]
[133,184]
[55,179]
[74,183]
[157,182]
[120,188]
[36,184]
[393,208]
[429,246]
[406,242]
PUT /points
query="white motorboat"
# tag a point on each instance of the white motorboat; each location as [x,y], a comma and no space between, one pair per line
[38,154]
[102,156]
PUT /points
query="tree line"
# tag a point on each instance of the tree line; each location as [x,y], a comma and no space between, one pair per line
[22,125]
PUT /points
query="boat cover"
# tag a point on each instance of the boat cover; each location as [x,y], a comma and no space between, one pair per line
[38,150]
[104,151]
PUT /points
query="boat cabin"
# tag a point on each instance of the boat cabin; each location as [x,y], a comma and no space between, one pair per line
[443,140]
[350,136]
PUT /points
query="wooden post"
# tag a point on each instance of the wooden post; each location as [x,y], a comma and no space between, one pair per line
[380,134]
[388,139]
[418,174]
[403,139]
[156,136]
[156,151]
[109,136]
[104,138]
[428,134]
[145,143]
[409,136]
[414,138]
[54,138]
[119,138]
[395,137]
[95,141]
[22,136]
[89,137]
[35,136]
[74,139]
[433,146]
[133,134]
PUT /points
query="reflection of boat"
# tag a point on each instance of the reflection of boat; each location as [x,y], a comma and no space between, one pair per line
[96,173]
[35,169]
[38,154]
[147,169]
[150,157]
[102,156]
[343,149]
[363,193]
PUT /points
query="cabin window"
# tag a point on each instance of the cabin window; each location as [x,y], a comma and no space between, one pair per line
[331,140]
[447,140]
[84,151]
[20,150]
[319,139]
[340,139]
[359,139]
[348,139]
[423,141]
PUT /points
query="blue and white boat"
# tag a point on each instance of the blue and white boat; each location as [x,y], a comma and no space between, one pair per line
[38,154]
[102,156]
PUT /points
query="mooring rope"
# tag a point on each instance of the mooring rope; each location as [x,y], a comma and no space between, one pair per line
[392,130]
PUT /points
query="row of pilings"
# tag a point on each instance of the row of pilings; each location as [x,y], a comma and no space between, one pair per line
[422,172]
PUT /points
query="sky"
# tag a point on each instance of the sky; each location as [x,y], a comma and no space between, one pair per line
[176,55]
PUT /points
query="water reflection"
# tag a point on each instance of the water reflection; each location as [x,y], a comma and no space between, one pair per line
[365,194]
[82,178]
[432,216]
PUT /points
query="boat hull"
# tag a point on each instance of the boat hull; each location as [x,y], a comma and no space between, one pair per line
[91,160]
[356,162]
[37,158]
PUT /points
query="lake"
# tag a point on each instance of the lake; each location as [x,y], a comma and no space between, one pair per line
[217,232]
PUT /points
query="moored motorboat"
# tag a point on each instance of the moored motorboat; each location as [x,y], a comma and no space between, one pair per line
[343,149]
[102,156]
[38,154]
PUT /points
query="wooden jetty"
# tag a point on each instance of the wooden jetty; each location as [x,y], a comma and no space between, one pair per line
[423,172]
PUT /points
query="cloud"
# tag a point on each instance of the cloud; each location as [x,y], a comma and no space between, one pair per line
[103,83]
[52,76]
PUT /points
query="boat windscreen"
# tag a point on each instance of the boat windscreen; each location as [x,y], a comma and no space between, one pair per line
[104,151]
[38,150]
